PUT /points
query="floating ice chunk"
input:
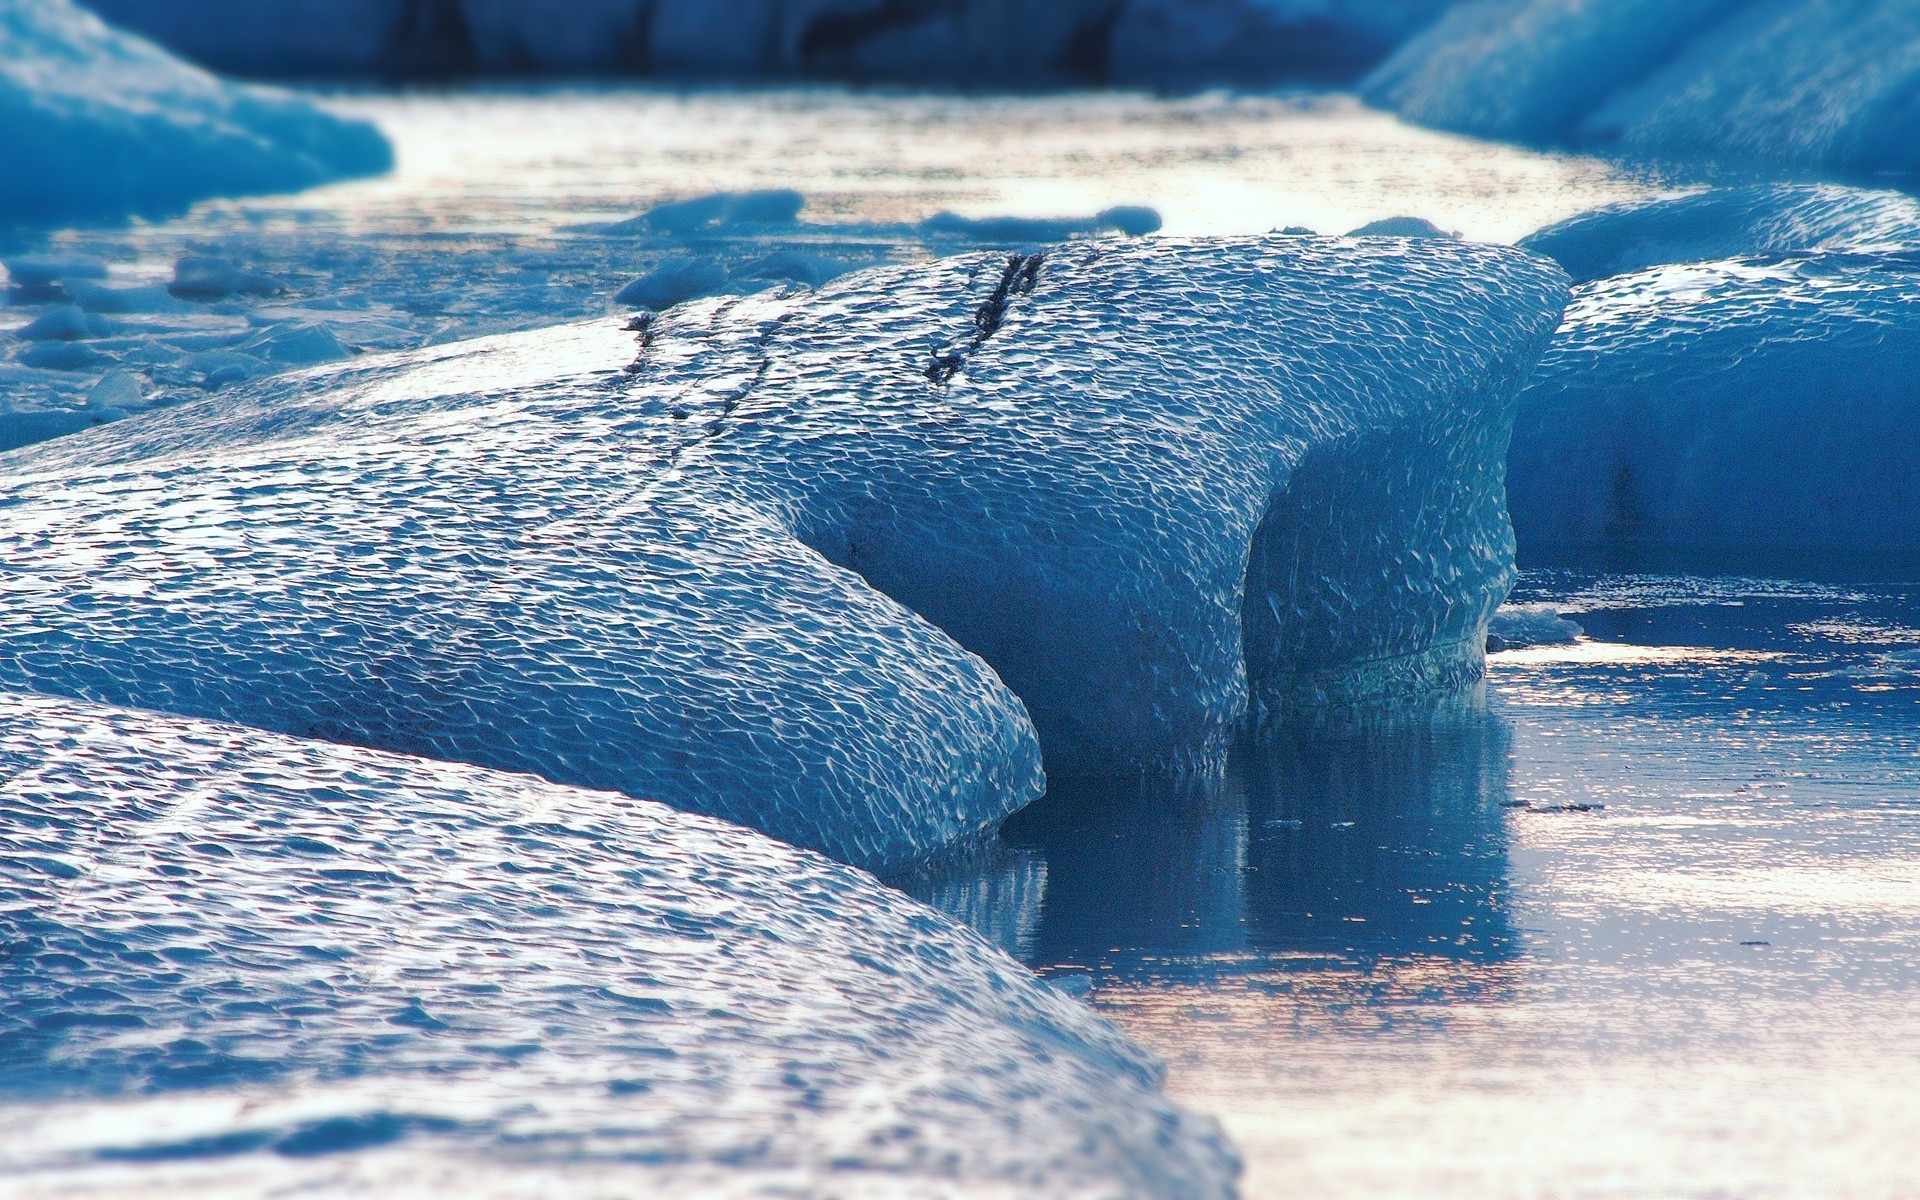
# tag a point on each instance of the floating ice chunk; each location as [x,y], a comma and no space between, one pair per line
[1830,82]
[749,558]
[234,952]
[203,277]
[65,323]
[56,355]
[1407,227]
[105,298]
[1131,220]
[117,391]
[300,345]
[1728,223]
[673,283]
[678,218]
[1517,626]
[809,269]
[100,124]
[1728,407]
[36,278]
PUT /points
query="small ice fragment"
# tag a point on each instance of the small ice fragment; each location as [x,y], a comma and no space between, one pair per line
[40,277]
[102,298]
[296,346]
[1406,227]
[117,389]
[674,283]
[1130,220]
[772,206]
[787,264]
[63,324]
[217,368]
[203,277]
[60,356]
[1516,626]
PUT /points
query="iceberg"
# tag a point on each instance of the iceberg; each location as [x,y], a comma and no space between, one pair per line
[99,125]
[1728,408]
[1829,83]
[239,964]
[1724,223]
[837,565]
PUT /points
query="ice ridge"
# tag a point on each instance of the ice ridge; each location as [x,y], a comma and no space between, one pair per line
[838,565]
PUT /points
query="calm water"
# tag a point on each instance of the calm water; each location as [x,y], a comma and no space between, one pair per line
[1641,920]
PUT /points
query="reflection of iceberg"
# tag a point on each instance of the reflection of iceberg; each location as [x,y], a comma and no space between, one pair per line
[97,124]
[1368,839]
[1739,406]
[749,557]
[240,964]
[1830,82]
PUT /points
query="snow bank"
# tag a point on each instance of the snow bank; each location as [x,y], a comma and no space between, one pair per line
[1827,82]
[1746,405]
[240,964]
[1003,42]
[1728,223]
[749,558]
[95,124]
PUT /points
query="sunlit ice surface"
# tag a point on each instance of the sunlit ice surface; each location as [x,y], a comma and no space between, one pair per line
[1642,919]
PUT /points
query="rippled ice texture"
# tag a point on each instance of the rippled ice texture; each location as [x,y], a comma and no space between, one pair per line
[237,962]
[1642,922]
[723,560]
[1752,405]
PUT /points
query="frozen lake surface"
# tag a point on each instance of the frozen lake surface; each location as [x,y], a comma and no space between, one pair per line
[1644,920]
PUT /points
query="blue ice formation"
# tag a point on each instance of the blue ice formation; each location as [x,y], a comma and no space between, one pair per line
[1748,405]
[1005,42]
[1722,223]
[1831,83]
[239,964]
[835,565]
[98,124]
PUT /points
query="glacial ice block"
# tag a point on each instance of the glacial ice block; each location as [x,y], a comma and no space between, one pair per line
[1728,407]
[1820,82]
[823,564]
[1729,223]
[98,124]
[239,963]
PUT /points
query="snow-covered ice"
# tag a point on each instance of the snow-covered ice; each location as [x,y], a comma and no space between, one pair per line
[1743,405]
[749,558]
[238,963]
[97,124]
[1733,222]
[1821,82]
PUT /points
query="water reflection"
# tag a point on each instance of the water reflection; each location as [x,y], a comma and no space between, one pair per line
[1344,846]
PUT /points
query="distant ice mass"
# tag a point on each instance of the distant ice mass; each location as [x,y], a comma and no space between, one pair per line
[1743,405]
[1177,43]
[1833,83]
[239,964]
[1729,223]
[837,566]
[98,125]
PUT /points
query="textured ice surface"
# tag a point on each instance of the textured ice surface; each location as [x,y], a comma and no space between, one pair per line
[1829,82]
[730,561]
[1739,405]
[1181,42]
[1728,223]
[237,962]
[98,124]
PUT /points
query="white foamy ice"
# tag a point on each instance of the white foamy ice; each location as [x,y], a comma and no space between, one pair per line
[836,566]
[1728,406]
[238,963]
[99,124]
[1811,81]
[1728,223]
